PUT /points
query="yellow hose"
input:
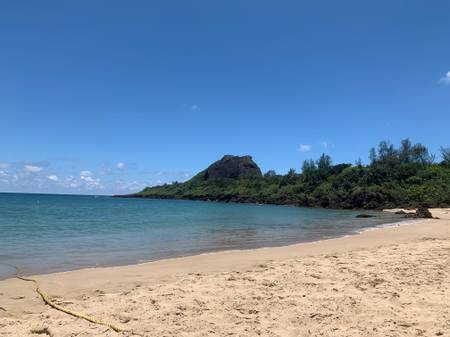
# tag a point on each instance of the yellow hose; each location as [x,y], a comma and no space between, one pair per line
[48,301]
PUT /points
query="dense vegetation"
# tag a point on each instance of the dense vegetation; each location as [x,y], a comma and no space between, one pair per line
[396,177]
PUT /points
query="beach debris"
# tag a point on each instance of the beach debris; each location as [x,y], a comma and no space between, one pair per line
[99,292]
[268,283]
[41,331]
[44,296]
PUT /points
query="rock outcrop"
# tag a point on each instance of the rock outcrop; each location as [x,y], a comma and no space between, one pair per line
[365,216]
[423,212]
[232,167]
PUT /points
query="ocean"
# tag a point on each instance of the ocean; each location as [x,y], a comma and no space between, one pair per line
[41,233]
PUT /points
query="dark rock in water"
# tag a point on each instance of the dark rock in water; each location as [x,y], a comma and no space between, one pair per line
[232,167]
[423,212]
[365,216]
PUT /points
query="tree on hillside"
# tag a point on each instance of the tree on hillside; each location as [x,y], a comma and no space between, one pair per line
[386,152]
[324,162]
[421,155]
[270,173]
[405,152]
[445,151]
[373,156]
[308,166]
[291,172]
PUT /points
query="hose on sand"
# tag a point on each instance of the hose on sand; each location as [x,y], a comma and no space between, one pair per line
[58,307]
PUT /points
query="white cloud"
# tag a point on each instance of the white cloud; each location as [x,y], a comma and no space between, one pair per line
[129,186]
[86,173]
[446,79]
[87,181]
[305,147]
[32,168]
[4,177]
[30,176]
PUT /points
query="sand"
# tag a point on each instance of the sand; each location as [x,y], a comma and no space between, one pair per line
[384,282]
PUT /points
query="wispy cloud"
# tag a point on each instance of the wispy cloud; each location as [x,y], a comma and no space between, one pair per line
[86,173]
[42,176]
[326,145]
[190,106]
[127,186]
[88,181]
[445,79]
[305,148]
[32,168]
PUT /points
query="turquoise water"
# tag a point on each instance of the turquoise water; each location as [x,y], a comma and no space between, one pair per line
[47,233]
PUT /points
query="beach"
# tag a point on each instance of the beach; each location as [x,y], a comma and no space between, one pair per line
[384,282]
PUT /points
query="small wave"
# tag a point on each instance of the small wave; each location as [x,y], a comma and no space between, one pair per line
[392,224]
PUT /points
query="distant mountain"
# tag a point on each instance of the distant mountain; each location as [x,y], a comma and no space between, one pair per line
[231,167]
[407,176]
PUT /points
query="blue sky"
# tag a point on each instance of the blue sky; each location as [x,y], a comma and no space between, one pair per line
[110,96]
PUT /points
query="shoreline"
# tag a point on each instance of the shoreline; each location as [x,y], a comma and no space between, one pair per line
[113,293]
[404,222]
[297,245]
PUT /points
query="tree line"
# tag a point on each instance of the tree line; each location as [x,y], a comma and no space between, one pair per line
[404,176]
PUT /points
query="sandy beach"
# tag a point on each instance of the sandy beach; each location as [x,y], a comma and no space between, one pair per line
[385,282]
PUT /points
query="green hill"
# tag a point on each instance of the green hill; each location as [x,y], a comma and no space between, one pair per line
[396,177]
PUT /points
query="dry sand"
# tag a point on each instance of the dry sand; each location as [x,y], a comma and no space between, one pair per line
[386,282]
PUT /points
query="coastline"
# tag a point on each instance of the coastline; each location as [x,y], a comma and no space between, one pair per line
[23,308]
[262,220]
[218,251]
